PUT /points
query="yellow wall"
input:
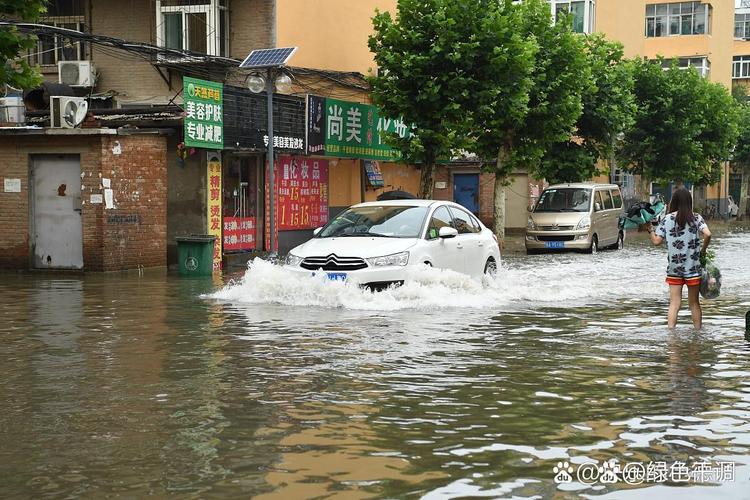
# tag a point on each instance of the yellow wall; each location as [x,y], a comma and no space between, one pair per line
[396,176]
[344,182]
[625,21]
[330,34]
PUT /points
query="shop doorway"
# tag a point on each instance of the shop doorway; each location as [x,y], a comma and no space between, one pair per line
[241,202]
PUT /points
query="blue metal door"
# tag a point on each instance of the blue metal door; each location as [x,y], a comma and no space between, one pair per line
[466,191]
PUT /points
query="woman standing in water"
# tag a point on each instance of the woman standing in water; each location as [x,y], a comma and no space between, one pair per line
[682,230]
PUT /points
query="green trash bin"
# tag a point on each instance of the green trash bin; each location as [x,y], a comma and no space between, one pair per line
[196,254]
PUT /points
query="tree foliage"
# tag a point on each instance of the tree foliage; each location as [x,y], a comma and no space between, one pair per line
[685,126]
[741,153]
[608,111]
[517,130]
[425,57]
[15,71]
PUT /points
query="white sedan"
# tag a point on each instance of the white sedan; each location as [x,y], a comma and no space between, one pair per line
[375,243]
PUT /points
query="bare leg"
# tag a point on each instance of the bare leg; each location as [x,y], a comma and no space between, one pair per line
[694,302]
[675,301]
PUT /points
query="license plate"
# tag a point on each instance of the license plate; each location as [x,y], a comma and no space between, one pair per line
[336,276]
[554,244]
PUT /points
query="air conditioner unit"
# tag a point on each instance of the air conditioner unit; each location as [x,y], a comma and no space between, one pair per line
[67,112]
[12,110]
[76,73]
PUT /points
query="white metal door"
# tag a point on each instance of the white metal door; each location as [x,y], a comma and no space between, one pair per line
[57,229]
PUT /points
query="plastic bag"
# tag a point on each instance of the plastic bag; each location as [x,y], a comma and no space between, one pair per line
[710,287]
[639,214]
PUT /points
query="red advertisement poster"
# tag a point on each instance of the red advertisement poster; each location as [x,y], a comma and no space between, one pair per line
[301,193]
[239,233]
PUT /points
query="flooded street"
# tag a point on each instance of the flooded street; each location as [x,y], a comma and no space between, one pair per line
[273,387]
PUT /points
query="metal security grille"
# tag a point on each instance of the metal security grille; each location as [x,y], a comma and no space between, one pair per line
[245,118]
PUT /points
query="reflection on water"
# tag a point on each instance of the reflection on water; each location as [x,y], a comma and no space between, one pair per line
[121,385]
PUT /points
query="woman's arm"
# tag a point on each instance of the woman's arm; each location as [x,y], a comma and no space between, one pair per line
[655,238]
[706,240]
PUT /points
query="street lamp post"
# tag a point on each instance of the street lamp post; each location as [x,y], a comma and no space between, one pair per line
[271,170]
[270,60]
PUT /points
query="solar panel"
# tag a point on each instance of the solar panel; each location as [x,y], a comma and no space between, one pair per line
[266,58]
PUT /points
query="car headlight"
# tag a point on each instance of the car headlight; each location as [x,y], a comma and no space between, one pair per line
[293,260]
[530,224]
[584,223]
[396,259]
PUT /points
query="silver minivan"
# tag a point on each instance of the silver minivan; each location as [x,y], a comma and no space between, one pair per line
[581,216]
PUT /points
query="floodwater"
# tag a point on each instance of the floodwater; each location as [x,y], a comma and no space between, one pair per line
[271,387]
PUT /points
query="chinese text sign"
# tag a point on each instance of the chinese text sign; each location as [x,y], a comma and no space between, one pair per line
[214,205]
[204,118]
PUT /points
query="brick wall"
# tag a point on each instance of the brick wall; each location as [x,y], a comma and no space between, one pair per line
[251,26]
[133,78]
[134,233]
[486,191]
[14,208]
[111,239]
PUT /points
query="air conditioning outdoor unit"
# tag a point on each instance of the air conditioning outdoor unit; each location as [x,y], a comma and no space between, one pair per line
[67,112]
[12,110]
[76,73]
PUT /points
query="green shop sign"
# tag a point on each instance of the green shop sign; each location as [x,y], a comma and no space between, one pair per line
[350,130]
[204,108]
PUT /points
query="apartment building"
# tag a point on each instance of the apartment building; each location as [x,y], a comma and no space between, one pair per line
[711,36]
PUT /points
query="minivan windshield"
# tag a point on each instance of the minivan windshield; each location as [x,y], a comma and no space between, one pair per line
[564,200]
[386,221]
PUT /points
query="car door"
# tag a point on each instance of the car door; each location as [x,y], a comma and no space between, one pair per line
[610,218]
[617,200]
[441,252]
[598,218]
[470,244]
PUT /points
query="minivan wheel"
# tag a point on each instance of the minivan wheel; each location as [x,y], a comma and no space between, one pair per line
[594,248]
[620,242]
[490,268]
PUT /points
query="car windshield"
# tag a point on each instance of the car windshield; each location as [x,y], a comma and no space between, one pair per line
[387,221]
[564,200]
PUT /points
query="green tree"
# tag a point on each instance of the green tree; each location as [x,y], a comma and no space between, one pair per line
[741,154]
[608,111]
[15,71]
[685,126]
[429,59]
[514,129]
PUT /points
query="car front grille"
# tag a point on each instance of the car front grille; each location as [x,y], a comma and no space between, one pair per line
[556,228]
[557,237]
[333,263]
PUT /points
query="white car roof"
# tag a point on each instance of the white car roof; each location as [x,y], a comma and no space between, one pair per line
[408,203]
[390,203]
[587,185]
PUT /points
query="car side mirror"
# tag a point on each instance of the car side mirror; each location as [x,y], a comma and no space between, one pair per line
[317,230]
[597,207]
[448,232]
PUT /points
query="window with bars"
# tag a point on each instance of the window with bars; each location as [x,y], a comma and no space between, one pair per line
[581,10]
[701,64]
[671,19]
[740,67]
[50,49]
[193,25]
[742,26]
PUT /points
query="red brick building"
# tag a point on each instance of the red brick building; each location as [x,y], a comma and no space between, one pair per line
[111,186]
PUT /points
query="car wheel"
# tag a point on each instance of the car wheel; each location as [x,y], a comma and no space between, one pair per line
[490,268]
[594,248]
